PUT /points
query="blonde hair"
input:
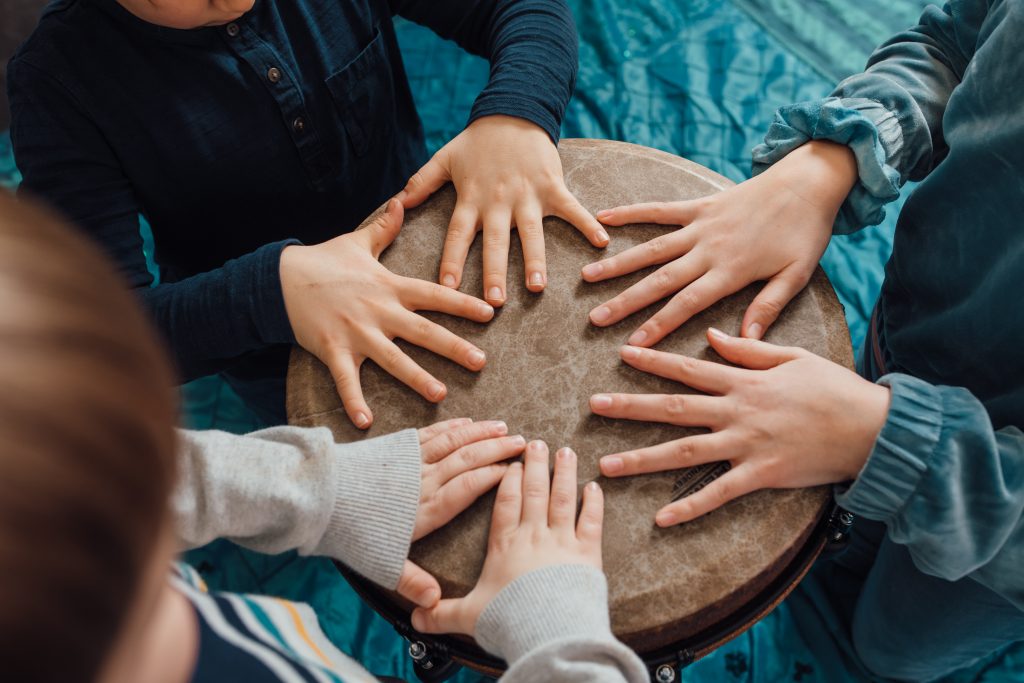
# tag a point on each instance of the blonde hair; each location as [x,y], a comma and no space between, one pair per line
[86,449]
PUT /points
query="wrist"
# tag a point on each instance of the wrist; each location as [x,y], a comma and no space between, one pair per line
[872,412]
[820,171]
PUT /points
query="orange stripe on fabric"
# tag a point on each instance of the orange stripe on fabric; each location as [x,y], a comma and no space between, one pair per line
[301,628]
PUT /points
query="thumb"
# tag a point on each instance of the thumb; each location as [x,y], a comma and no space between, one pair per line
[417,586]
[447,616]
[425,182]
[385,228]
[770,301]
[751,353]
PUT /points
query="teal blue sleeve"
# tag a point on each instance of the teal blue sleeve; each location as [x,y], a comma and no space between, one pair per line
[947,485]
[890,115]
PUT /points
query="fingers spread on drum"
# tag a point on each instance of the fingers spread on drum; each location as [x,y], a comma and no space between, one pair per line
[707,376]
[427,334]
[480,454]
[569,209]
[738,481]
[429,432]
[657,251]
[344,369]
[536,484]
[417,585]
[661,283]
[455,496]
[443,442]
[462,229]
[395,362]
[497,224]
[662,213]
[591,521]
[752,353]
[508,504]
[685,410]
[691,300]
[421,295]
[686,452]
[428,179]
[562,508]
[530,226]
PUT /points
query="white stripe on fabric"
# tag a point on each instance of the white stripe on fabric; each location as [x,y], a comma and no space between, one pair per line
[352,671]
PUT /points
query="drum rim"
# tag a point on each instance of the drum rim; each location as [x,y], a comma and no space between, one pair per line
[680,653]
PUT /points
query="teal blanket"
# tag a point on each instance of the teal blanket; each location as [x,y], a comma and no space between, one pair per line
[698,78]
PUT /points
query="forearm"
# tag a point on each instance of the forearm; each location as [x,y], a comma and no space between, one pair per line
[552,625]
[948,486]
[211,319]
[531,45]
[292,488]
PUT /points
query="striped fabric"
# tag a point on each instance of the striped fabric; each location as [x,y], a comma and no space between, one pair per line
[259,639]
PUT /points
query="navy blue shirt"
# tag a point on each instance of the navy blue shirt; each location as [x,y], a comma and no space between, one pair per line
[292,123]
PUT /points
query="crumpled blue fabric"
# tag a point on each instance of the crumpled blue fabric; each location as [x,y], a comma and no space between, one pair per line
[840,121]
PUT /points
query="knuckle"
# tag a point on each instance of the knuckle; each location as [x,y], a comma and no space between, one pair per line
[674,405]
[561,499]
[689,300]
[391,357]
[506,498]
[655,248]
[682,453]
[723,492]
[663,281]
[470,483]
[535,489]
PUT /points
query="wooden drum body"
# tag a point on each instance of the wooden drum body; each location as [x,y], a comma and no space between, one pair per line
[674,593]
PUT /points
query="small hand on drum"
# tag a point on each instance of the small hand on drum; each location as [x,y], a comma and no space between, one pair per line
[785,419]
[533,526]
[506,172]
[345,307]
[773,227]
[461,462]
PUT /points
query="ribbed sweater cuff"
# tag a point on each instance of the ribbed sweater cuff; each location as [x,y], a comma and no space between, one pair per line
[896,465]
[376,499]
[545,605]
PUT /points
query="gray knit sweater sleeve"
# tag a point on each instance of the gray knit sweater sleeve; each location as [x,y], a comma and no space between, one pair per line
[552,625]
[291,488]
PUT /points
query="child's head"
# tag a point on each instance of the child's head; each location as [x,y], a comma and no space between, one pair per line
[187,14]
[86,450]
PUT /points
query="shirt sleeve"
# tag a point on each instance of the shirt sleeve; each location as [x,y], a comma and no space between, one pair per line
[891,114]
[209,319]
[552,624]
[947,485]
[531,44]
[290,488]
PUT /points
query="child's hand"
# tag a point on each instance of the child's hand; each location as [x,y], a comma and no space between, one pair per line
[773,227]
[506,172]
[460,463]
[792,420]
[345,307]
[530,529]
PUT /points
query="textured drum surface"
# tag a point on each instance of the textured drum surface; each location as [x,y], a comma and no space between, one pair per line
[544,362]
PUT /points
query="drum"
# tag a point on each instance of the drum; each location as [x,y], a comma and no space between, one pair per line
[674,593]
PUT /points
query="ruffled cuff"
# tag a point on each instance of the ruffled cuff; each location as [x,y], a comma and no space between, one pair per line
[896,466]
[377,495]
[871,131]
[553,603]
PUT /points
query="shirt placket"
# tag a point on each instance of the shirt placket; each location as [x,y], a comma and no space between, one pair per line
[280,80]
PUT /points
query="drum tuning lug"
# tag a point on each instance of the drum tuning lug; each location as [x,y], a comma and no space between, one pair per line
[418,651]
[666,673]
[431,665]
[837,534]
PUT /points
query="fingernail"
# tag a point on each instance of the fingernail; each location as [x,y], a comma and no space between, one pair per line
[477,357]
[602,237]
[666,518]
[638,337]
[718,334]
[755,330]
[448,280]
[593,487]
[486,310]
[435,389]
[600,401]
[612,465]
[361,420]
[494,294]
[593,270]
[430,597]
[500,427]
[600,314]
[605,214]
[565,454]
[518,440]
[536,279]
[536,445]
[630,352]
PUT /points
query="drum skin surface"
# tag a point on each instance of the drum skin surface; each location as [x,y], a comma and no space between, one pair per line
[544,361]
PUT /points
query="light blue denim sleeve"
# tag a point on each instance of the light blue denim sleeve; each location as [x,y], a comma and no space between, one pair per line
[949,487]
[890,115]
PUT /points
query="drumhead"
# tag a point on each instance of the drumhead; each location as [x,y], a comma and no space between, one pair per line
[545,360]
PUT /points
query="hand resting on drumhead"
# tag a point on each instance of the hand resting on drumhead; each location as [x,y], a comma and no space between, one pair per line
[785,419]
[506,172]
[773,227]
[533,526]
[461,462]
[345,307]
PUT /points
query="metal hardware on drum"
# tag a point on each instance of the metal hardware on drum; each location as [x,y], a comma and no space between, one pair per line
[837,534]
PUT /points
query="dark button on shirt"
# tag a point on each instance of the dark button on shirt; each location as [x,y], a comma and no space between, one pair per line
[113,117]
[273,74]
